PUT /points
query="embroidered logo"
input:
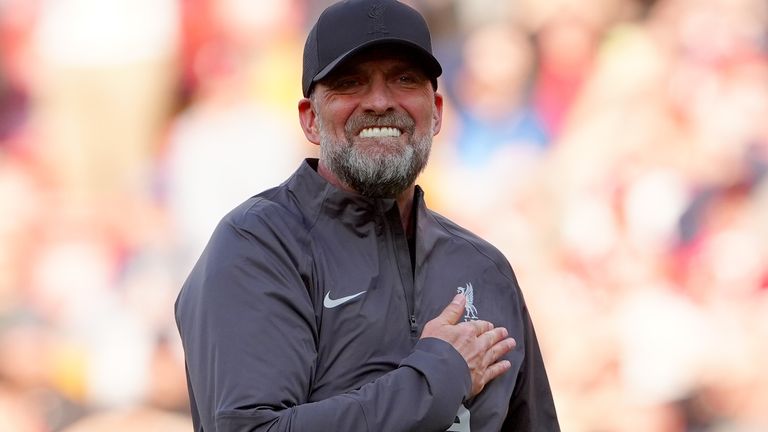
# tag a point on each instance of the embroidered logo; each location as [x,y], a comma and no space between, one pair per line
[470,309]
[376,14]
[330,303]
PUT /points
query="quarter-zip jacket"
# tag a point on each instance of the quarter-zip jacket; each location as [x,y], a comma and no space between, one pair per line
[304,314]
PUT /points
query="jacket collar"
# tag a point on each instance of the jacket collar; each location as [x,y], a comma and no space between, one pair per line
[316,193]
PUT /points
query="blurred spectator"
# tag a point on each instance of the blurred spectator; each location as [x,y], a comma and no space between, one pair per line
[21,201]
[565,46]
[490,94]
[104,92]
[494,141]
[16,21]
[13,106]
[29,364]
[222,149]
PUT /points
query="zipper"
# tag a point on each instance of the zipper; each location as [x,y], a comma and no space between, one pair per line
[405,282]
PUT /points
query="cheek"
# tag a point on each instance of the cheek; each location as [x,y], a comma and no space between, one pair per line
[424,118]
[336,120]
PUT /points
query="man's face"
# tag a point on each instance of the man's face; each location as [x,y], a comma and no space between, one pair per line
[376,116]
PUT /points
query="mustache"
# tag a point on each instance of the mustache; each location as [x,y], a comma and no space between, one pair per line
[402,121]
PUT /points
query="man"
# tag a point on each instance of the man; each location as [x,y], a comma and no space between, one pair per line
[337,301]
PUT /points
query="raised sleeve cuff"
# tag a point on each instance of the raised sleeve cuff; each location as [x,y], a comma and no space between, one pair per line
[445,371]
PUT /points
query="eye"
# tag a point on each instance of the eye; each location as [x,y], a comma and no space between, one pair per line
[407,78]
[346,83]
[410,78]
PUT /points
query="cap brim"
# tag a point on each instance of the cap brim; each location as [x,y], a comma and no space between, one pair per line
[427,60]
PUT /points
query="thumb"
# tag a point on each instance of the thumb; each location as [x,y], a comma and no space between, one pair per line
[454,311]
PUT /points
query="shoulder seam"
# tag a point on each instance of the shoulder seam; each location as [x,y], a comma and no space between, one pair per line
[318,211]
[457,235]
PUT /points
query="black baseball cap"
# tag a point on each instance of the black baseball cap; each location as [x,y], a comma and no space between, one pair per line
[347,27]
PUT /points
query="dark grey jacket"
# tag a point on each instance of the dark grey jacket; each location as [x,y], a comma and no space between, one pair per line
[304,314]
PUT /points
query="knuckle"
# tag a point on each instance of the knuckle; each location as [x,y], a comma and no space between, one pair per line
[467,330]
[490,340]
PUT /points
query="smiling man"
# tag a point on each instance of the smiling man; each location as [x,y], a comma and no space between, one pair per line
[338,301]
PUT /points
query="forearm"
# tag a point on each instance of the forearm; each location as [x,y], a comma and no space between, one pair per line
[422,394]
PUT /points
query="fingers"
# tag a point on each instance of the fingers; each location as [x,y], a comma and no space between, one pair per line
[472,339]
[454,311]
[479,326]
[479,342]
[497,369]
[492,336]
[497,345]
[498,349]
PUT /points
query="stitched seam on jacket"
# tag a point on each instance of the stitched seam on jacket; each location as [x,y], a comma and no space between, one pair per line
[459,236]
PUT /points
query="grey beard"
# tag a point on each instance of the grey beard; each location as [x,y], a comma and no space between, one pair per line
[376,174]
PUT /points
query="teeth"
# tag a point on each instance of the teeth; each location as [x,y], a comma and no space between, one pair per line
[379,132]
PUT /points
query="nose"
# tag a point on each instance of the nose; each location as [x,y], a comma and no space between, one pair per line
[378,98]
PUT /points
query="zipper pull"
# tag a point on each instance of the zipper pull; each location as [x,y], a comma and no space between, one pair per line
[414,327]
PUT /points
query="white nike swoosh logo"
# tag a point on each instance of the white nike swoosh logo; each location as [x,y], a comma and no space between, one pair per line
[330,303]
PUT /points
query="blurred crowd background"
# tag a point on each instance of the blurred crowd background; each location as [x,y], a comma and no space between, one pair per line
[615,150]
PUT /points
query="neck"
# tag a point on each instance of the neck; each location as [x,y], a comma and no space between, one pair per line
[404,200]
[405,205]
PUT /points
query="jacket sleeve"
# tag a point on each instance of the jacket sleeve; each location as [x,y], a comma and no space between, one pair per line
[249,333]
[531,407]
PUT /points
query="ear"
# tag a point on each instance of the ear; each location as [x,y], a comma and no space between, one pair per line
[308,120]
[437,115]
